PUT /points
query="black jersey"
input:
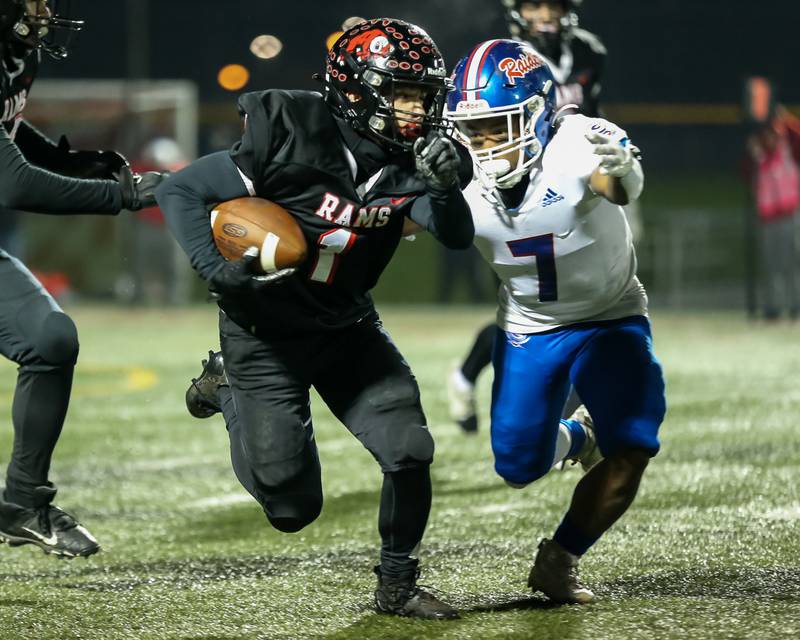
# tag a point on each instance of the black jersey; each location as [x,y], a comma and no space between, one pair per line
[349,201]
[19,67]
[578,71]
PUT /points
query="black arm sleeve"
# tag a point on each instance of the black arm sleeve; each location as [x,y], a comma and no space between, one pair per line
[446,215]
[184,198]
[37,148]
[29,188]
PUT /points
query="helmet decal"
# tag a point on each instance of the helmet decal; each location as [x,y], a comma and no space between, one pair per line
[515,68]
[370,44]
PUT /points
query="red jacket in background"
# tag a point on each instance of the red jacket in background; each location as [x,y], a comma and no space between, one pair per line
[774,168]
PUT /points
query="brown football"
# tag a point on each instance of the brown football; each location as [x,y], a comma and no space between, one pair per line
[242,223]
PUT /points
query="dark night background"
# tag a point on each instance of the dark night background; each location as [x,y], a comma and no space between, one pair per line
[674,80]
[660,51]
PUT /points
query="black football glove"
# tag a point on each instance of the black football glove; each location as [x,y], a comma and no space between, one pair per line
[95,165]
[238,277]
[437,161]
[139,189]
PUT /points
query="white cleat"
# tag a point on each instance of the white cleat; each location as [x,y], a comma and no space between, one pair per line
[590,454]
[461,401]
[555,573]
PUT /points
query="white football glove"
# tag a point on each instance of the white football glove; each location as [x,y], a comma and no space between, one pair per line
[615,159]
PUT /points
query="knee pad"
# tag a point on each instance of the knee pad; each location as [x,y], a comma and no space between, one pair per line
[57,341]
[520,470]
[419,444]
[403,448]
[291,513]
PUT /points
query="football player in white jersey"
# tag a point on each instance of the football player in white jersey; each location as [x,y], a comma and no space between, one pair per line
[546,201]
[577,59]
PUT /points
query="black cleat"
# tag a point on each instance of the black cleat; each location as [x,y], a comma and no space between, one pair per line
[402,597]
[202,399]
[49,528]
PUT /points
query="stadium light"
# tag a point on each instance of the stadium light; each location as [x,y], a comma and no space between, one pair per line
[266,47]
[233,77]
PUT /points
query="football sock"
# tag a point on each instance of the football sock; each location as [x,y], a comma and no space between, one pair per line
[577,436]
[40,405]
[572,538]
[480,356]
[403,515]
[570,439]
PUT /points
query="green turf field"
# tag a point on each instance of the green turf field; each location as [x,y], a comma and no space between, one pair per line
[710,549]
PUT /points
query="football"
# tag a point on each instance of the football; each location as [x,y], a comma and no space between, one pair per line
[242,223]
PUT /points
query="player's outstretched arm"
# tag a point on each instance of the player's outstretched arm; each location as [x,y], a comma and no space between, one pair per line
[60,158]
[184,200]
[619,178]
[26,187]
[442,210]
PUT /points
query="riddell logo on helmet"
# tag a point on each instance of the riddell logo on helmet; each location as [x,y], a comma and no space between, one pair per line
[519,67]
[370,44]
[472,105]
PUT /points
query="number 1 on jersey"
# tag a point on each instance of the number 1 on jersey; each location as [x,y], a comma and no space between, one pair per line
[332,245]
[542,247]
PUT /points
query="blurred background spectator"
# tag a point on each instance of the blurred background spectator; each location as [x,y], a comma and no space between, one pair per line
[773,154]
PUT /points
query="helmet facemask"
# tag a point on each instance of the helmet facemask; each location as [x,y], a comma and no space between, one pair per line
[42,26]
[398,126]
[528,127]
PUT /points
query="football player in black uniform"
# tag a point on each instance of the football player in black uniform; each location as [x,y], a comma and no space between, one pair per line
[576,58]
[352,166]
[34,332]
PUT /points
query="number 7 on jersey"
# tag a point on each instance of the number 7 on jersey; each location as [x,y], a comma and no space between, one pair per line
[542,247]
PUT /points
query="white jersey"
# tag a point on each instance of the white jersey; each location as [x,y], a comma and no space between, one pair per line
[564,255]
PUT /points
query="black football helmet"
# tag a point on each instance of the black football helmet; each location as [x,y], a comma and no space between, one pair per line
[369,63]
[49,31]
[546,42]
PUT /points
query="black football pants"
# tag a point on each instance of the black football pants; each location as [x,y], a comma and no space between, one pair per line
[37,335]
[362,377]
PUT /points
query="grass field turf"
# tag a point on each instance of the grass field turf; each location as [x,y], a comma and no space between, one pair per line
[709,550]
